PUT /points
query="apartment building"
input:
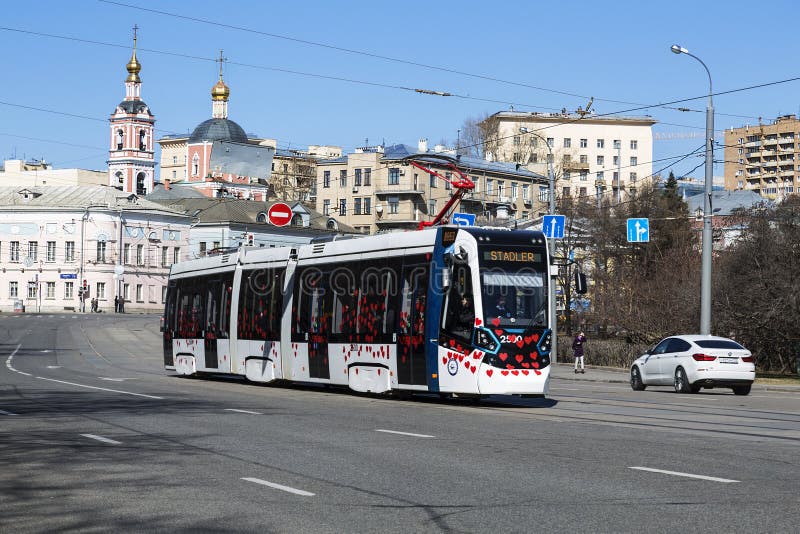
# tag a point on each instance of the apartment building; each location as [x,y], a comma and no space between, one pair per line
[764,158]
[591,155]
[374,189]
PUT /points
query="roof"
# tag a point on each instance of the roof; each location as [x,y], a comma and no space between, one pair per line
[726,202]
[160,193]
[218,130]
[134,107]
[467,163]
[76,197]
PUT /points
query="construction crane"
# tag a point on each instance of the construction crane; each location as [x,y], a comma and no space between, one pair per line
[460,182]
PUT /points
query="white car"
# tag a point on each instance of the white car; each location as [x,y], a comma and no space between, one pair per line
[693,362]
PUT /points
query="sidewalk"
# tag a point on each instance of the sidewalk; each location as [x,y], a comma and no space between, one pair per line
[565,371]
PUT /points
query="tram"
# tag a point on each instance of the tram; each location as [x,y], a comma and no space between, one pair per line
[449,310]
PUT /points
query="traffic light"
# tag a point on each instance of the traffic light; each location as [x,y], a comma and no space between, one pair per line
[251,239]
[580,283]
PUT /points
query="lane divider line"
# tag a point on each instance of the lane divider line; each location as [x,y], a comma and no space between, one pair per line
[8,362]
[101,389]
[688,475]
[101,438]
[404,433]
[242,411]
[279,487]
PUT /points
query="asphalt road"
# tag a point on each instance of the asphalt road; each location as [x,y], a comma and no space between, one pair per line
[96,437]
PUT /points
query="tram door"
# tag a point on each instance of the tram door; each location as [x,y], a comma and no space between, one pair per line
[168,324]
[218,295]
[318,333]
[411,367]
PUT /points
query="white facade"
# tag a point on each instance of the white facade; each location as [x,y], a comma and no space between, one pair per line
[609,156]
[50,242]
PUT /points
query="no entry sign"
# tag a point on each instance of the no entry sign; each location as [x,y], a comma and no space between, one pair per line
[280,214]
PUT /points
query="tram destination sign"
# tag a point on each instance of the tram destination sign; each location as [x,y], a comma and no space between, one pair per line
[512,256]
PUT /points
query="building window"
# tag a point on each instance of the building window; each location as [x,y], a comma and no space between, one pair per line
[176,254]
[343,207]
[101,290]
[343,178]
[565,191]
[584,143]
[326,207]
[635,160]
[174,160]
[566,159]
[164,255]
[601,143]
[583,158]
[394,205]
[516,140]
[69,290]
[501,188]
[139,293]
[632,177]
[617,143]
[516,157]
[126,292]
[447,182]
[567,175]
[616,160]
[13,289]
[69,251]
[582,192]
[584,176]
[634,144]
[357,178]
[367,205]
[326,179]
[567,142]
[139,254]
[534,141]
[367,177]
[600,176]
[50,290]
[489,186]
[126,254]
[741,151]
[357,206]
[432,207]
[33,250]
[615,177]
[601,160]
[51,252]
[33,290]
[101,252]
[526,192]
[432,180]
[551,142]
[533,158]
[394,176]
[513,190]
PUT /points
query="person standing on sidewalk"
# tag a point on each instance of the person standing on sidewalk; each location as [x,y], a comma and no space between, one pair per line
[577,350]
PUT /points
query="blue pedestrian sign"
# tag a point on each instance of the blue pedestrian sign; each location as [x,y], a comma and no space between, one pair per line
[553,226]
[463,219]
[639,230]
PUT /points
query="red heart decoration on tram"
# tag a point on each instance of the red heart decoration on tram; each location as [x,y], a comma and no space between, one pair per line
[519,358]
[503,356]
[473,369]
[496,321]
[536,337]
[444,360]
[524,372]
[452,342]
[515,372]
[504,373]
[520,342]
[489,373]
[498,332]
[478,322]
[537,372]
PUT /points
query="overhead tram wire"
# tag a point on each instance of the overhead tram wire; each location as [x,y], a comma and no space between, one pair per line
[375,55]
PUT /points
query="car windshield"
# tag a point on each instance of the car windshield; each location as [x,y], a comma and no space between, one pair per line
[718,344]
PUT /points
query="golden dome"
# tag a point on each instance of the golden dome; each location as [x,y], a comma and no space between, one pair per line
[220,91]
[133,67]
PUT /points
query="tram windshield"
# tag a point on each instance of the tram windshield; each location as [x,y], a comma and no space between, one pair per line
[513,287]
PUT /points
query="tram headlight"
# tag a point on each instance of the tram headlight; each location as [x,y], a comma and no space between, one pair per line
[485,340]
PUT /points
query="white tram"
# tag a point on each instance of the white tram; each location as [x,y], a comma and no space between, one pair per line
[449,310]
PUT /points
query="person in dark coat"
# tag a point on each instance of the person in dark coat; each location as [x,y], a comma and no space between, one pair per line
[577,350]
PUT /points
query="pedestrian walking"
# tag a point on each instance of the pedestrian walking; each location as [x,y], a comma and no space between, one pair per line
[94,305]
[116,304]
[577,351]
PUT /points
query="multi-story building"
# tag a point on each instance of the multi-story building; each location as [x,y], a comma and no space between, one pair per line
[591,155]
[36,173]
[56,239]
[374,189]
[764,158]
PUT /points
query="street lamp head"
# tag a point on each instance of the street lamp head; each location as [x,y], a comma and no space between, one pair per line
[523,130]
[678,49]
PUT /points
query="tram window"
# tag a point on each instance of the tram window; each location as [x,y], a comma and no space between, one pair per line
[345,299]
[314,299]
[260,304]
[459,311]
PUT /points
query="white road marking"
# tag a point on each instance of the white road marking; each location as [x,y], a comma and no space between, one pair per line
[688,475]
[114,379]
[101,389]
[404,433]
[101,438]
[54,367]
[242,411]
[279,487]
[8,362]
[3,412]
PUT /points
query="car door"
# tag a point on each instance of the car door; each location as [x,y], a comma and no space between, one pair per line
[651,372]
[677,352]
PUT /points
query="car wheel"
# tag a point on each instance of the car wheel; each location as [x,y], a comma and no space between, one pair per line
[636,380]
[694,388]
[680,382]
[741,390]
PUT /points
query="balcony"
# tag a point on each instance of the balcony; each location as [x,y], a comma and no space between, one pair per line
[575,166]
[399,190]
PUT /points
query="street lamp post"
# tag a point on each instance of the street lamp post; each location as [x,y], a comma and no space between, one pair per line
[551,295]
[705,277]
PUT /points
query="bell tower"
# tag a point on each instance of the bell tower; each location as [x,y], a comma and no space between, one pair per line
[131,155]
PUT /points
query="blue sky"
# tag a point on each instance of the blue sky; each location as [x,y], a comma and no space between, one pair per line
[613,51]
